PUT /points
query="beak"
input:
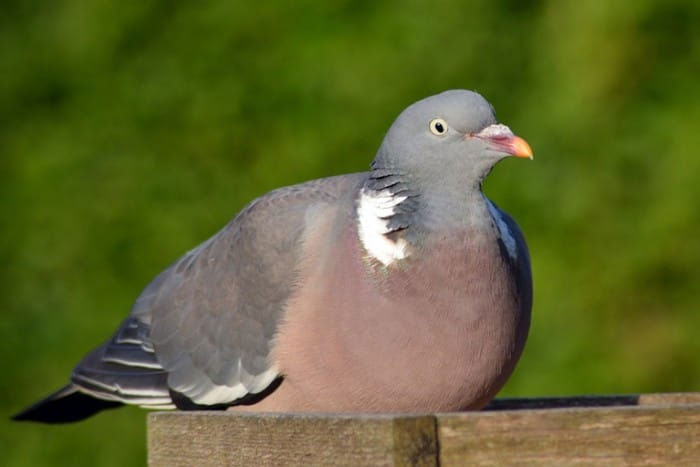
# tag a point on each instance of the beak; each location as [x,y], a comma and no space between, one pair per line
[519,147]
[504,140]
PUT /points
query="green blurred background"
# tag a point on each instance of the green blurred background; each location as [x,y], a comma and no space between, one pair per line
[131,131]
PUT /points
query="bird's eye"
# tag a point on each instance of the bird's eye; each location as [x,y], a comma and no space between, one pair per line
[438,126]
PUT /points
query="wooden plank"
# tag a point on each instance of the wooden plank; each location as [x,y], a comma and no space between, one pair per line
[228,439]
[649,429]
[627,435]
[670,398]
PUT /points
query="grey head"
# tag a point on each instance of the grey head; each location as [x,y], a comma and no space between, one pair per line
[431,164]
[452,136]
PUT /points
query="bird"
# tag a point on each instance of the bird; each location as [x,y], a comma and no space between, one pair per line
[399,289]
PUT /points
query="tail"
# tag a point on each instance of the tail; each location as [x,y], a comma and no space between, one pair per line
[66,405]
[122,371]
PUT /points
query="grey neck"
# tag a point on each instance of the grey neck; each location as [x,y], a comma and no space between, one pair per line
[455,203]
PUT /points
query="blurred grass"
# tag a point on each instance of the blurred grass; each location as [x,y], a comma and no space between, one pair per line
[131,132]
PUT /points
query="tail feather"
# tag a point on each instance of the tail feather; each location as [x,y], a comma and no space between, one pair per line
[124,370]
[66,405]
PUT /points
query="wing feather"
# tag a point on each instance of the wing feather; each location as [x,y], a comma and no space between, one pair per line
[203,329]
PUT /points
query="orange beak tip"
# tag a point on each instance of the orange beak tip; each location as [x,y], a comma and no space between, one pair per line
[521,148]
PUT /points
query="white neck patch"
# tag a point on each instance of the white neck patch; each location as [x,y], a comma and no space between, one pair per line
[503,230]
[373,213]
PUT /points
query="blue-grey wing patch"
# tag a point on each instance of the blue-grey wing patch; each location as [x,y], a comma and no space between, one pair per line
[204,327]
[215,312]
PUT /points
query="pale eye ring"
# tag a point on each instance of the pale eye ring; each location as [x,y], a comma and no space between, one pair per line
[438,126]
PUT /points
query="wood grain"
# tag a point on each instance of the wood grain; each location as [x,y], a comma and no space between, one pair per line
[634,435]
[648,429]
[227,439]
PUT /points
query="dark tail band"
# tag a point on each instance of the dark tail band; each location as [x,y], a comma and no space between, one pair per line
[66,405]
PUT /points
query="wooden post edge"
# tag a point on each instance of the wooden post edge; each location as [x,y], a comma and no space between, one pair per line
[227,438]
[614,430]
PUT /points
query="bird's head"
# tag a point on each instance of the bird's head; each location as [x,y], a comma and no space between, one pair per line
[452,135]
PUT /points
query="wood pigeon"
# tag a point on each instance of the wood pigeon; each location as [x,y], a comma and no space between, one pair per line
[401,289]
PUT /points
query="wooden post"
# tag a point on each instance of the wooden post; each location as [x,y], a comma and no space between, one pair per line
[652,429]
[579,436]
[225,438]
